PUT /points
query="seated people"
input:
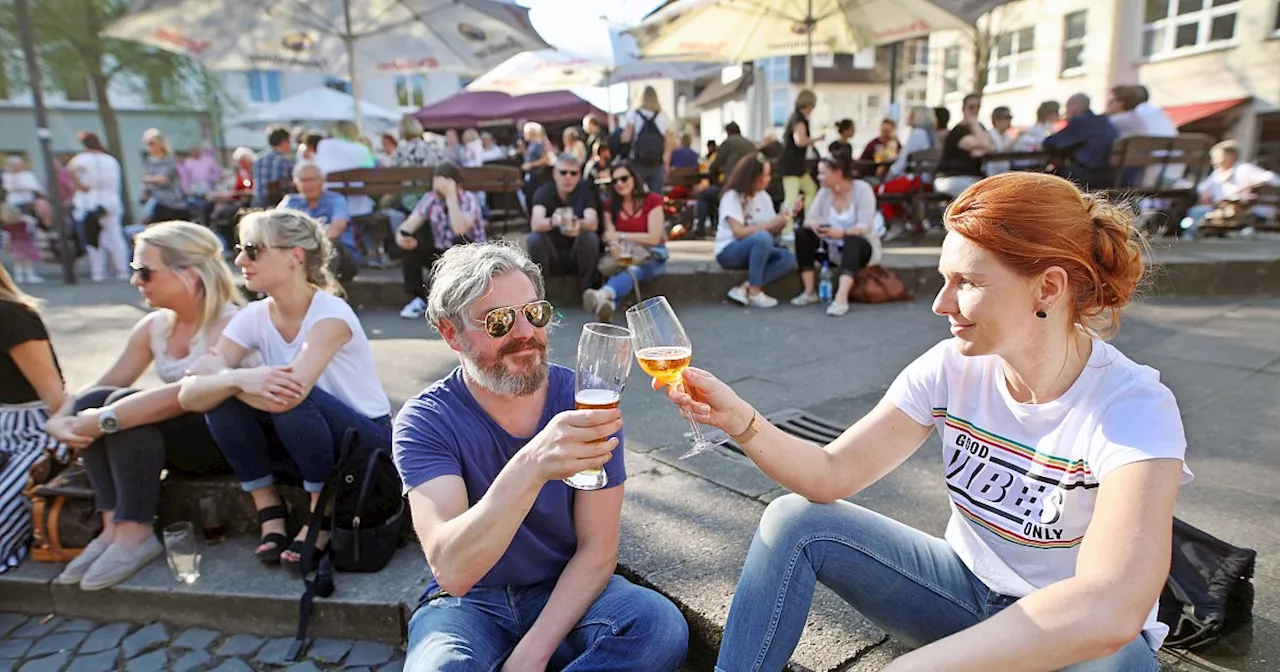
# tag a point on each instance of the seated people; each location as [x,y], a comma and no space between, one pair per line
[565,223]
[745,235]
[330,209]
[30,388]
[728,153]
[522,564]
[885,147]
[1063,460]
[1087,139]
[634,226]
[318,377]
[344,151]
[844,214]
[126,436]
[1231,180]
[962,150]
[447,215]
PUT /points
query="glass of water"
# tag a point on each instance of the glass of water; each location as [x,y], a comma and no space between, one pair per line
[183,552]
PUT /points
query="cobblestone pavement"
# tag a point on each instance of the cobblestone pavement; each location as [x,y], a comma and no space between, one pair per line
[56,644]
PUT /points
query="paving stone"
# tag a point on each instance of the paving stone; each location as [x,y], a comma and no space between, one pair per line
[304,666]
[8,665]
[106,637]
[369,654]
[98,662]
[358,669]
[66,641]
[232,665]
[192,660]
[240,645]
[329,650]
[146,639]
[156,661]
[393,666]
[195,638]
[47,664]
[14,648]
[10,621]
[77,625]
[36,628]
[273,652]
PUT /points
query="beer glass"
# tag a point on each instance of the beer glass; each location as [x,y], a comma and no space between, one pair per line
[182,551]
[664,352]
[626,254]
[604,360]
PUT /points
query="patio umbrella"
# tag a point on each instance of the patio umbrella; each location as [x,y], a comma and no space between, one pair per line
[321,105]
[747,30]
[334,36]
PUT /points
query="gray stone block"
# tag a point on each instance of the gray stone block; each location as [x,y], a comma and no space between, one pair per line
[10,622]
[273,652]
[304,666]
[37,627]
[369,654]
[77,625]
[393,666]
[47,664]
[98,662]
[240,645]
[233,665]
[193,660]
[66,641]
[14,647]
[195,638]
[7,665]
[146,639]
[156,661]
[329,650]
[105,637]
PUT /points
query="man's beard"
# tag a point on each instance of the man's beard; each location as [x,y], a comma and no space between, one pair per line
[495,376]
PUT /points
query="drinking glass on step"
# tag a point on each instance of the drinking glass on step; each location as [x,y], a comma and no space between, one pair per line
[182,551]
[604,360]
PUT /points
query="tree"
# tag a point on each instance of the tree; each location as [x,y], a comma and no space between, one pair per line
[984,43]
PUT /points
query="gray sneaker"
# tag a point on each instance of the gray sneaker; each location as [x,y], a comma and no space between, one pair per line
[76,569]
[119,563]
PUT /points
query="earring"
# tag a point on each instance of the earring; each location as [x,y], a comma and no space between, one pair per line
[1041,314]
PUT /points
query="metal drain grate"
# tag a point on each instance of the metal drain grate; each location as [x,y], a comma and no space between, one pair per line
[801,424]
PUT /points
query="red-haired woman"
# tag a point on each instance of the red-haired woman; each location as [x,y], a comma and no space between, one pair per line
[1062,458]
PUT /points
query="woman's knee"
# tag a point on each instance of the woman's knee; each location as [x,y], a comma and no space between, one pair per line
[793,517]
[760,238]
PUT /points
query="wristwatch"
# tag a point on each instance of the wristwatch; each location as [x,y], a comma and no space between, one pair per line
[750,432]
[107,421]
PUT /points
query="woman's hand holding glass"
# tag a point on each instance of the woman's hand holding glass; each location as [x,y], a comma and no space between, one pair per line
[709,401]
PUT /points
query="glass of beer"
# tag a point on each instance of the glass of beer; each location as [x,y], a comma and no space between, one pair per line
[604,360]
[626,254]
[664,352]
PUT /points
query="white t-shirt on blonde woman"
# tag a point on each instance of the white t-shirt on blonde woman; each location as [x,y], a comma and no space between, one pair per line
[758,211]
[350,376]
[1023,478]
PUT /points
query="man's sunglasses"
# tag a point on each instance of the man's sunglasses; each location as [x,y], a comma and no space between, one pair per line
[500,321]
[569,173]
[144,273]
[252,250]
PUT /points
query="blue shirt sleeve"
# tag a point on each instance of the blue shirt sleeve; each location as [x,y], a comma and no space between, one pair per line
[337,206]
[419,449]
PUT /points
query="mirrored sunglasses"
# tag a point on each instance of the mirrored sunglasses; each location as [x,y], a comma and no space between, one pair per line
[500,321]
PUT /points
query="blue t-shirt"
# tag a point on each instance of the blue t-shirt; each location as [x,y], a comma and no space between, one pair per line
[330,206]
[444,431]
[684,157]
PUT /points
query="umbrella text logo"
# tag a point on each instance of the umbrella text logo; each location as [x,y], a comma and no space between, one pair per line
[298,42]
[424,63]
[195,47]
[508,46]
[472,32]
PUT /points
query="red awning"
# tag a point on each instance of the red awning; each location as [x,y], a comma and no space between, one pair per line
[1181,115]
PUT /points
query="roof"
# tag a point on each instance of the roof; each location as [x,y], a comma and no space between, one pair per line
[1183,115]
[718,90]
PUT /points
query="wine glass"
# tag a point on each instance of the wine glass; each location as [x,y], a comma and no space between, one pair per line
[664,352]
[604,360]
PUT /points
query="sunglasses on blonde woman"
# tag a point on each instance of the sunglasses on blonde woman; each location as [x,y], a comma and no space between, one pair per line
[252,250]
[500,321]
[143,273]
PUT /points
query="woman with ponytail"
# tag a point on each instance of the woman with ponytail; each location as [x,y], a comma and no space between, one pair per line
[318,377]
[1062,459]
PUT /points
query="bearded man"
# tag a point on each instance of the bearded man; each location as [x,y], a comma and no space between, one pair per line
[522,564]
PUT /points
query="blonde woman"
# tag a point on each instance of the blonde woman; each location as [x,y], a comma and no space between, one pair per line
[574,145]
[649,132]
[127,435]
[30,384]
[317,381]
[414,151]
[161,181]
[472,149]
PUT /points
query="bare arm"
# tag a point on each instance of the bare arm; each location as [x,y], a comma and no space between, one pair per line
[333,230]
[540,219]
[218,379]
[668,146]
[128,367]
[1121,568]
[628,132]
[35,360]
[460,220]
[590,219]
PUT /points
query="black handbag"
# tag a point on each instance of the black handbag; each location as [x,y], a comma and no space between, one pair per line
[1208,595]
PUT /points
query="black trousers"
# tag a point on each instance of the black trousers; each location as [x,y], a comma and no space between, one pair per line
[124,468]
[855,255]
[412,262]
[708,206]
[559,254]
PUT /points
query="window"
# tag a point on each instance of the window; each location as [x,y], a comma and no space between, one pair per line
[337,84]
[777,70]
[779,105]
[916,54]
[777,74]
[914,97]
[1013,59]
[264,85]
[410,90]
[950,70]
[874,113]
[1175,25]
[865,59]
[821,60]
[1073,32]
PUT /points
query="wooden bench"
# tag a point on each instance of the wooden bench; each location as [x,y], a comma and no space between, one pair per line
[1148,167]
[918,202]
[1236,215]
[501,183]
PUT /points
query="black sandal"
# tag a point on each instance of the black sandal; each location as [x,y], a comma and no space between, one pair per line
[271,556]
[298,546]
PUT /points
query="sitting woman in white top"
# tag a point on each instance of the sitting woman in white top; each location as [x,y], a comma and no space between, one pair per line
[127,435]
[844,215]
[748,224]
[318,377]
[1062,458]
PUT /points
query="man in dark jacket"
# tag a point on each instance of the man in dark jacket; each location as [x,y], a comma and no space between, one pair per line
[1087,139]
[728,153]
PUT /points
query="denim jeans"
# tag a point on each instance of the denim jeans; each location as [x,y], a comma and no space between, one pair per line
[309,433]
[1190,224]
[764,261]
[654,176]
[622,282]
[627,628]
[912,585]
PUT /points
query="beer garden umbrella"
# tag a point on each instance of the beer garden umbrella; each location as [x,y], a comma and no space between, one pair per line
[333,36]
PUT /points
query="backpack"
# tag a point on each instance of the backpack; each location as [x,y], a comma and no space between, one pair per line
[1207,596]
[368,516]
[648,145]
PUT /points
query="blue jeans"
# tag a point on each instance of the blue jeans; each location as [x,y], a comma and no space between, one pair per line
[764,261]
[622,283]
[309,433]
[909,583]
[654,176]
[627,628]
[1190,224]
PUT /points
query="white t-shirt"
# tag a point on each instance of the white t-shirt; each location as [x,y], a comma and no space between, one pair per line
[1023,478]
[21,188]
[350,376]
[339,154]
[99,172]
[759,211]
[1156,121]
[637,122]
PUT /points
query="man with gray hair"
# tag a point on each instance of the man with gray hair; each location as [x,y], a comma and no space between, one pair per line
[1232,180]
[522,564]
[565,223]
[330,209]
[1087,140]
